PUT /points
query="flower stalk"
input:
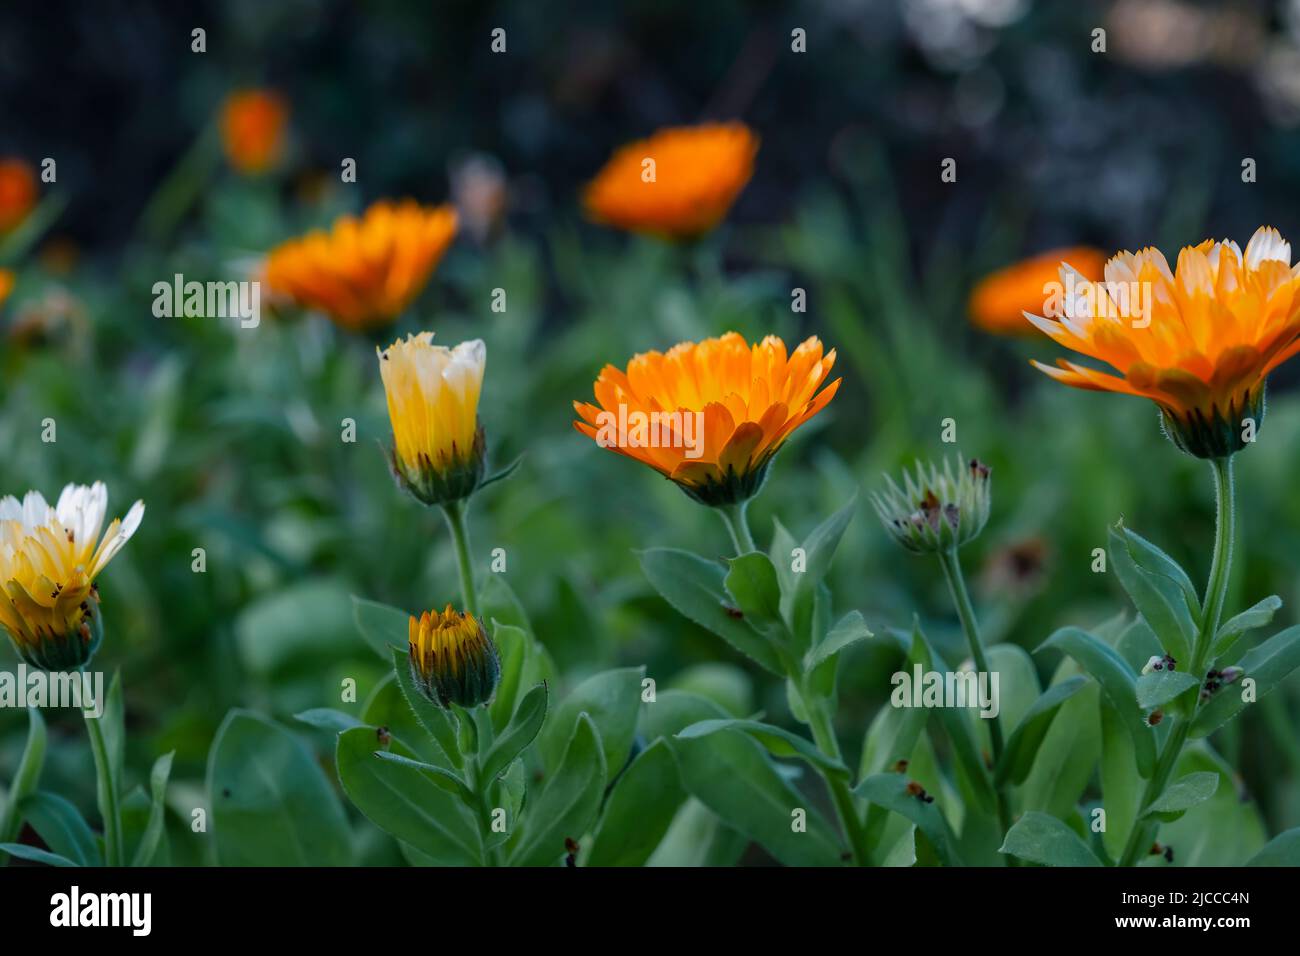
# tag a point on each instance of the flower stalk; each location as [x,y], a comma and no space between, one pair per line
[107,786]
[1216,590]
[454,511]
[952,572]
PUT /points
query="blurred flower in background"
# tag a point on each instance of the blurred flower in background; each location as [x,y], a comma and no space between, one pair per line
[7,279]
[479,192]
[999,301]
[17,192]
[253,130]
[364,272]
[679,183]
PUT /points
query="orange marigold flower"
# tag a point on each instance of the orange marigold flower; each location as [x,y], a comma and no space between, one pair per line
[1199,342]
[999,301]
[252,129]
[364,272]
[17,192]
[709,415]
[7,280]
[698,172]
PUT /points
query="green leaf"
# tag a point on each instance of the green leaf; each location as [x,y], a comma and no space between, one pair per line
[153,831]
[387,707]
[24,852]
[799,605]
[732,775]
[1160,687]
[62,828]
[1282,850]
[972,774]
[328,718]
[1045,840]
[889,790]
[271,804]
[26,779]
[519,733]
[514,648]
[1224,830]
[296,628]
[1267,664]
[1121,786]
[1231,630]
[499,603]
[1158,597]
[612,699]
[1117,682]
[446,779]
[1022,745]
[568,803]
[405,803]
[436,721]
[1183,794]
[383,627]
[639,809]
[1155,561]
[695,589]
[1068,754]
[502,474]
[850,629]
[778,741]
[751,582]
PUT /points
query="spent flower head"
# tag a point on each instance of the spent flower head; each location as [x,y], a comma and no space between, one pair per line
[49,560]
[453,661]
[936,509]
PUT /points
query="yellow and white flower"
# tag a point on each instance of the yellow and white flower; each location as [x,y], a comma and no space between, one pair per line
[433,391]
[49,560]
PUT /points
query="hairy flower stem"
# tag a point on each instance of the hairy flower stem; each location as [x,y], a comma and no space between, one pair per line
[455,514]
[481,722]
[824,736]
[107,792]
[970,626]
[734,517]
[1216,590]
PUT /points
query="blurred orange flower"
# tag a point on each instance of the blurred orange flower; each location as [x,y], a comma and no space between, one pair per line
[999,301]
[709,415]
[17,192]
[6,284]
[696,174]
[364,271]
[252,129]
[1199,342]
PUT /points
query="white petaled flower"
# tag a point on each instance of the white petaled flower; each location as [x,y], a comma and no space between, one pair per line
[433,394]
[49,560]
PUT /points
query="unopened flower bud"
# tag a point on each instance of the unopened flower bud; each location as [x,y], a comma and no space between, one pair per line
[934,509]
[453,661]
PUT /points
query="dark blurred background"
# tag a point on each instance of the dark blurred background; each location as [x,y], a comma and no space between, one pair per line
[1080,146]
